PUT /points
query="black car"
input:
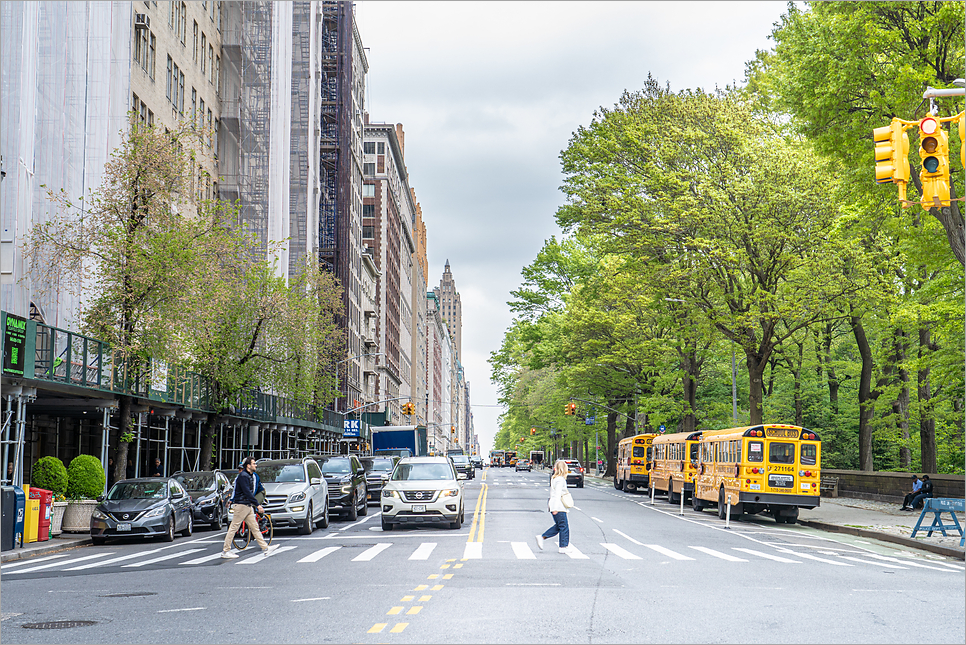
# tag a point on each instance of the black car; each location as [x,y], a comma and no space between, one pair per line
[378,470]
[464,469]
[209,491]
[346,479]
[143,507]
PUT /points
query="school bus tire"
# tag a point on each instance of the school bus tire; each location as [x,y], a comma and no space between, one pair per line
[722,508]
[697,504]
[617,483]
[625,486]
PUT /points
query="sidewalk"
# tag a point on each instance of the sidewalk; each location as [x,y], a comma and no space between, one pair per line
[877,520]
[60,543]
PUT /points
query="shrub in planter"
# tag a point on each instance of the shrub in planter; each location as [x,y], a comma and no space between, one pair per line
[85,477]
[49,473]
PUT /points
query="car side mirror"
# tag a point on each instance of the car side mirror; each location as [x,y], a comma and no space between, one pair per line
[100,498]
[178,495]
[316,481]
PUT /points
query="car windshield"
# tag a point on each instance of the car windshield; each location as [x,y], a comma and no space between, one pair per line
[231,475]
[335,466]
[460,459]
[409,472]
[138,490]
[197,481]
[278,473]
[380,465]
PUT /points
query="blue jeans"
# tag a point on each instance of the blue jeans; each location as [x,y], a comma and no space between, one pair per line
[560,526]
[917,500]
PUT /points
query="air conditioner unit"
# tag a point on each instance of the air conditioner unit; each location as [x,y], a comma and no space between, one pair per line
[142,21]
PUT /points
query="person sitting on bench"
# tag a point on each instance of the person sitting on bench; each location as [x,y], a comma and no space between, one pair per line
[916,487]
[926,491]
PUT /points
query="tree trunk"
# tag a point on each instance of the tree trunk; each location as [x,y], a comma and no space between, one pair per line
[207,442]
[611,444]
[123,427]
[866,401]
[833,381]
[927,420]
[902,401]
[756,367]
[629,429]
[689,381]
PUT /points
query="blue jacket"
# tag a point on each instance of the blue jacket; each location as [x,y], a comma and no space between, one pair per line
[245,490]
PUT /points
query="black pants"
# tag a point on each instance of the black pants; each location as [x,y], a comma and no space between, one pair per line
[908,499]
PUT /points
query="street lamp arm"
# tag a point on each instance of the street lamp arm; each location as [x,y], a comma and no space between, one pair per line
[599,405]
[362,407]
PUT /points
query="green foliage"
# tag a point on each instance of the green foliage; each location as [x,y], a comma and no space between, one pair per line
[50,474]
[85,477]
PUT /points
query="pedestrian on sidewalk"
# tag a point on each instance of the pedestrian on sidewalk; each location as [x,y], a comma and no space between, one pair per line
[916,487]
[924,492]
[558,486]
[243,509]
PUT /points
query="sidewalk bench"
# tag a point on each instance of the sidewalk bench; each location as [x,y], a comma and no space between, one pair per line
[938,506]
[829,486]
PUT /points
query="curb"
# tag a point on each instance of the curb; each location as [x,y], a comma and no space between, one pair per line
[886,537]
[22,553]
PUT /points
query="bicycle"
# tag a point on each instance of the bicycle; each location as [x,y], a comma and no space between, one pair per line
[243,537]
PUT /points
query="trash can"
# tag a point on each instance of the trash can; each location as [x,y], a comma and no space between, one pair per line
[32,516]
[20,516]
[8,517]
[46,498]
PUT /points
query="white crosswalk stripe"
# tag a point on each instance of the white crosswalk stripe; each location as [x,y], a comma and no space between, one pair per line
[808,556]
[767,556]
[321,553]
[575,553]
[905,562]
[170,556]
[620,552]
[887,565]
[473,551]
[262,557]
[204,558]
[717,554]
[668,552]
[372,552]
[423,552]
[21,563]
[522,551]
[50,565]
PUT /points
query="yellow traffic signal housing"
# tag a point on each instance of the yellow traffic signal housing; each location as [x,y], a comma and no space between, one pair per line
[892,156]
[573,408]
[567,409]
[934,154]
[533,431]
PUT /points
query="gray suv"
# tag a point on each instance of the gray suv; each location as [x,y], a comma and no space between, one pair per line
[295,494]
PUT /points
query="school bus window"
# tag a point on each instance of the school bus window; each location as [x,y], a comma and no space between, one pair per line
[755,451]
[638,451]
[648,453]
[694,451]
[809,454]
[781,453]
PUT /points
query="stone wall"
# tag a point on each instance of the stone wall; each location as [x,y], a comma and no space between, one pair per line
[890,486]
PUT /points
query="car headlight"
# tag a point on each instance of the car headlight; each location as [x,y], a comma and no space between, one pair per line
[207,501]
[97,515]
[296,497]
[390,493]
[346,488]
[453,492]
[156,512]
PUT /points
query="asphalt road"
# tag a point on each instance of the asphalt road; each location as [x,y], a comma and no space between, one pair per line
[641,573]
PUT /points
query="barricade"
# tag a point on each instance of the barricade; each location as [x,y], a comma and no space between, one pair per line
[938,506]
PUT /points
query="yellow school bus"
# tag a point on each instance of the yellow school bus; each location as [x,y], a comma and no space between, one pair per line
[769,468]
[675,464]
[633,455]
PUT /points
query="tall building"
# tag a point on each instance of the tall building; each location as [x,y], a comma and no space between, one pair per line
[452,308]
[418,299]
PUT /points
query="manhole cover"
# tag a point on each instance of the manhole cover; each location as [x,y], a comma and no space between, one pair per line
[133,594]
[60,624]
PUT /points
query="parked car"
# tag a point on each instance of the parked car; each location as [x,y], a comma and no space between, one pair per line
[295,494]
[378,470]
[209,490]
[524,464]
[464,469]
[346,479]
[422,490]
[145,507]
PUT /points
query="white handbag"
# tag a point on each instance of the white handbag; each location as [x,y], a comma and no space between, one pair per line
[567,499]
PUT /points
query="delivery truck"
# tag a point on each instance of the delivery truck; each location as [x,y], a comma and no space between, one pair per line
[401,441]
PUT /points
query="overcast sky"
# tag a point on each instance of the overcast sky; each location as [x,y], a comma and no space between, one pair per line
[489,94]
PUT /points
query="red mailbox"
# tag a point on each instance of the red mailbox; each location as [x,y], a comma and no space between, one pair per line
[46,498]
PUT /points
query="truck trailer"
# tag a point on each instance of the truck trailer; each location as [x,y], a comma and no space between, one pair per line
[400,441]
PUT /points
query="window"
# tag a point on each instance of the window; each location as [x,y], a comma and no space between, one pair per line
[167,90]
[368,190]
[368,210]
[181,92]
[151,57]
[211,129]
[368,169]
[381,148]
[217,72]
[201,114]
[172,18]
[183,27]
[214,190]
[204,43]
[214,134]
[219,14]
[141,47]
[781,453]
[211,61]
[809,454]
[194,105]
[381,164]
[194,42]
[369,148]
[368,232]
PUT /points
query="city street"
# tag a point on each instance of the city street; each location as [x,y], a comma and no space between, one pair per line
[639,573]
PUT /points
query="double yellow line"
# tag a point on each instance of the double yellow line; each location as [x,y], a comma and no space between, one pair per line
[479,514]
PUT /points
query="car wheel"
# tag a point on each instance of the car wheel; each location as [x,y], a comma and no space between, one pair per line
[580,484]
[364,509]
[189,527]
[218,520]
[98,540]
[308,526]
[458,523]
[353,513]
[386,526]
[324,522]
[169,534]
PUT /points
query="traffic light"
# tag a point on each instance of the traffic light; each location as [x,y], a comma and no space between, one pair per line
[570,408]
[408,408]
[533,431]
[934,153]
[892,156]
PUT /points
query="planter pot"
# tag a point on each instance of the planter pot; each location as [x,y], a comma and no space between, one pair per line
[57,518]
[77,516]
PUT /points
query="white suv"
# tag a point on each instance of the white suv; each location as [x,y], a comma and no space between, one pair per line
[422,490]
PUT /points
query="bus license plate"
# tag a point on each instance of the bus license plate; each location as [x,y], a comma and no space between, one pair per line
[123,527]
[781,481]
[419,508]
[805,486]
[755,487]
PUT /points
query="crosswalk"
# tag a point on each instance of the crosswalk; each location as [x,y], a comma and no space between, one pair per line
[350,555]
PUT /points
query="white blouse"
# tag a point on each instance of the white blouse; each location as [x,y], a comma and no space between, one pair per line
[558,486]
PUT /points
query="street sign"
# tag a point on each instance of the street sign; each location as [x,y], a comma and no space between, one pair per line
[589,421]
[350,427]
[661,428]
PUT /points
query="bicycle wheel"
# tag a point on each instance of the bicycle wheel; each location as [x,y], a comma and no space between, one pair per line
[242,537]
[268,529]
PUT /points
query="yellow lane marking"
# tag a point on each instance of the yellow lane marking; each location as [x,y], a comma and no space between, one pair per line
[445,566]
[407,598]
[448,576]
[433,576]
[420,588]
[414,610]
[452,560]
[436,587]
[479,537]
[394,611]
[424,598]
[378,627]
[457,566]
[398,628]
[476,512]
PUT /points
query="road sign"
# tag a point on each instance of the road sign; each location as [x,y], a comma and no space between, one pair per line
[661,428]
[589,421]
[350,427]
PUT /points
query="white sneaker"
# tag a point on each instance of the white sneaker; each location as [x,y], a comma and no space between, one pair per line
[228,555]
[565,549]
[270,550]
[540,539]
